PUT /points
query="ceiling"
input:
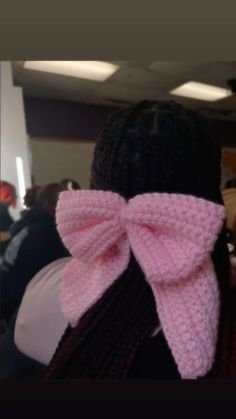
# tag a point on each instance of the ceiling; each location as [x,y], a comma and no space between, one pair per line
[135,81]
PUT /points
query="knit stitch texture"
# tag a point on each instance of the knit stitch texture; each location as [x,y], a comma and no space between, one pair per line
[171,237]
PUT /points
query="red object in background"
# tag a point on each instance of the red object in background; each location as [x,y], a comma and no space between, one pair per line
[7,193]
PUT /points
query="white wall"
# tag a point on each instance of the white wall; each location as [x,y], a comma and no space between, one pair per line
[14,140]
[53,160]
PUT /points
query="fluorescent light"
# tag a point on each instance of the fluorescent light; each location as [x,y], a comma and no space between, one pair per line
[90,70]
[201,91]
[21,179]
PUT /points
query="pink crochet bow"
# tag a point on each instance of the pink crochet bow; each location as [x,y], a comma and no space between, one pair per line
[171,237]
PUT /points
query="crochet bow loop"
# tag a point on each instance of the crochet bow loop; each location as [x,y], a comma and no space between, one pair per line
[172,235]
[89,224]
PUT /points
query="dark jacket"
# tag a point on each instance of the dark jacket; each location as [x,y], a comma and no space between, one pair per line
[5,222]
[27,217]
[35,244]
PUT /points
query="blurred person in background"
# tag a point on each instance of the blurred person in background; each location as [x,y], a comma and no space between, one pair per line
[31,197]
[7,200]
[229,197]
[70,184]
[232,254]
[33,247]
[32,205]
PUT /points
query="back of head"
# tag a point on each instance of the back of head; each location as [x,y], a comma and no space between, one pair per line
[31,198]
[149,147]
[48,197]
[7,193]
[158,147]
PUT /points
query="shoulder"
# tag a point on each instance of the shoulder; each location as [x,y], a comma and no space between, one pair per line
[40,313]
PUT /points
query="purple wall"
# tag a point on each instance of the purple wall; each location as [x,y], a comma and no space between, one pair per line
[47,118]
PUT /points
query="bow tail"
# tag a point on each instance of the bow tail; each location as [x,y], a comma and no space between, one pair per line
[84,283]
[189,314]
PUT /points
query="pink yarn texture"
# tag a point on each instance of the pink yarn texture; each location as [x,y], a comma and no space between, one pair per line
[171,237]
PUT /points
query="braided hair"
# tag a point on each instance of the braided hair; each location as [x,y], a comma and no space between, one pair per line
[149,147]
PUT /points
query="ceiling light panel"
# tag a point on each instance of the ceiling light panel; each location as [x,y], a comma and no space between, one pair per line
[200,91]
[89,70]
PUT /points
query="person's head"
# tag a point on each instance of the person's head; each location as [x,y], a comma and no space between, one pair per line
[149,147]
[7,193]
[31,198]
[157,147]
[70,184]
[48,197]
[231,183]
